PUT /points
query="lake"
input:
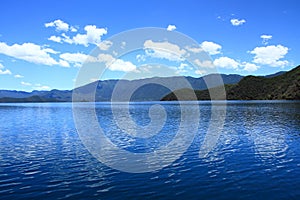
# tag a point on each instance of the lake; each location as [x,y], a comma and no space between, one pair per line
[253,151]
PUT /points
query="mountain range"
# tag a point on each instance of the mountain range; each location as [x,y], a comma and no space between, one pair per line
[147,90]
[282,85]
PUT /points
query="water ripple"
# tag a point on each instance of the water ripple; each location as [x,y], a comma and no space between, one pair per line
[257,155]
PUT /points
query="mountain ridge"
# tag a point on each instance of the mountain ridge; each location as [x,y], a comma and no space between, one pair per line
[102,90]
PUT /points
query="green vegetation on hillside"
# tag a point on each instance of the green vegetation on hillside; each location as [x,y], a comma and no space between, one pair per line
[284,86]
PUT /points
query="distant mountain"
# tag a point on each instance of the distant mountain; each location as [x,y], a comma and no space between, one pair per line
[21,94]
[148,89]
[282,85]
[276,74]
[32,99]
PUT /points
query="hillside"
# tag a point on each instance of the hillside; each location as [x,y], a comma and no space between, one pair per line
[286,85]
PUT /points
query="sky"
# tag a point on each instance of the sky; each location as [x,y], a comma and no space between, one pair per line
[43,44]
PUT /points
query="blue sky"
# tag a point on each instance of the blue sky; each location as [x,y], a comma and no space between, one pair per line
[43,43]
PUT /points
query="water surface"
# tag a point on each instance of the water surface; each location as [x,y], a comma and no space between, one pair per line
[257,154]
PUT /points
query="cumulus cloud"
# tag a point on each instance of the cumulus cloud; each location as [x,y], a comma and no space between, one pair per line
[115,64]
[55,39]
[76,58]
[164,50]
[171,27]
[250,67]
[121,65]
[93,35]
[73,29]
[204,63]
[36,86]
[41,87]
[182,68]
[66,38]
[30,52]
[265,39]
[105,45]
[237,22]
[18,76]
[211,47]
[225,62]
[270,55]
[26,83]
[63,63]
[4,71]
[194,49]
[59,25]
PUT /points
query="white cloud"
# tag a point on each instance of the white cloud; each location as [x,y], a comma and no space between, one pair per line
[18,76]
[194,49]
[164,50]
[26,83]
[225,62]
[106,58]
[211,47]
[55,39]
[105,45]
[4,71]
[250,67]
[204,63]
[48,50]
[59,25]
[29,52]
[237,22]
[116,64]
[63,63]
[265,38]
[41,87]
[182,68]
[156,53]
[93,35]
[171,27]
[183,65]
[270,55]
[75,58]
[36,86]
[73,29]
[66,38]
[121,65]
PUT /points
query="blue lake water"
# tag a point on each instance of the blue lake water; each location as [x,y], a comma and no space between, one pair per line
[257,154]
